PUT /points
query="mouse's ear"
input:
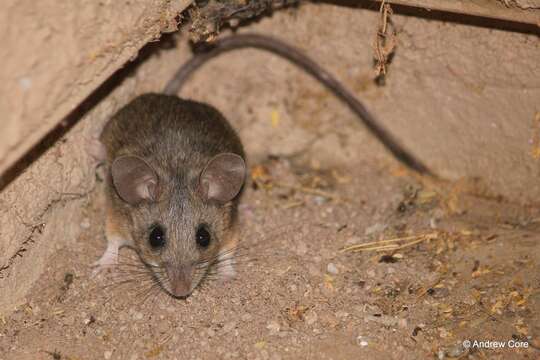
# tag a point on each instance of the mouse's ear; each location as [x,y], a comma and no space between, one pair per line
[134,180]
[223,177]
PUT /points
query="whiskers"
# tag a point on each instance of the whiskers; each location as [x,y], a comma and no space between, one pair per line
[133,280]
[241,260]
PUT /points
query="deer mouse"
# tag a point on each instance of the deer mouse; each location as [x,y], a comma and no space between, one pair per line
[175,169]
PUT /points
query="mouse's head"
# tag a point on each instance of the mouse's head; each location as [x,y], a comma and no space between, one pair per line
[179,223]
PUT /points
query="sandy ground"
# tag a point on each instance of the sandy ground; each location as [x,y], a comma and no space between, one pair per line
[472,273]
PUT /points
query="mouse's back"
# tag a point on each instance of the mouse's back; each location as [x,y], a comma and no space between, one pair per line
[169,131]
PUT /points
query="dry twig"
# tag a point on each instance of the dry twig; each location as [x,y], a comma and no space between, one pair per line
[392,244]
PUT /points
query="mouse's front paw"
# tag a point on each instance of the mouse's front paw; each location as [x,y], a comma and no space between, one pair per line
[107,260]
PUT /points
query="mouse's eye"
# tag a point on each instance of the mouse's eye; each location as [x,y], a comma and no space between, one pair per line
[157,237]
[203,236]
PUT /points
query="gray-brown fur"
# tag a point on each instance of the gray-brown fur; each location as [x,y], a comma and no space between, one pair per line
[177,139]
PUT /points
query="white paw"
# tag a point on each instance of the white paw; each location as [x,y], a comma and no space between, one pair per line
[110,256]
[107,260]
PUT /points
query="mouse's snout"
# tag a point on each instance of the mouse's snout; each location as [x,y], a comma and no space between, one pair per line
[180,279]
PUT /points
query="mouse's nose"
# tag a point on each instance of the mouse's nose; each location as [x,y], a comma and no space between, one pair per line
[180,279]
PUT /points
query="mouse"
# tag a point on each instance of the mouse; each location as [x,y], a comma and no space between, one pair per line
[176,168]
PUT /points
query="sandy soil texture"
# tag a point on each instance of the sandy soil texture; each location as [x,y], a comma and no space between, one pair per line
[467,267]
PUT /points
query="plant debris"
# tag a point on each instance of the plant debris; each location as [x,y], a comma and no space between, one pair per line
[209,16]
[385,43]
[392,244]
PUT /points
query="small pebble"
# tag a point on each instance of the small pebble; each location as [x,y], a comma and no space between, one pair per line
[362,341]
[25,83]
[273,326]
[107,354]
[353,241]
[375,228]
[320,200]
[311,317]
[456,350]
[332,269]
[440,355]
[439,293]
[443,333]
[138,316]
[85,224]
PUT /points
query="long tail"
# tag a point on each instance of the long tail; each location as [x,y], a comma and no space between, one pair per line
[304,62]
